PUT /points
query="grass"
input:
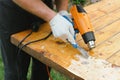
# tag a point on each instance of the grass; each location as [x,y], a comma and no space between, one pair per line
[57,76]
[1,69]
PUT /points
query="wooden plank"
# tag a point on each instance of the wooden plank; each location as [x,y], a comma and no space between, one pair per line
[103,50]
[115,58]
[106,20]
[102,8]
[103,5]
[50,51]
[56,51]
[108,48]
[59,55]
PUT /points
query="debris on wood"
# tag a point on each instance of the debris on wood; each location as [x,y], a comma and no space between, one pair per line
[94,69]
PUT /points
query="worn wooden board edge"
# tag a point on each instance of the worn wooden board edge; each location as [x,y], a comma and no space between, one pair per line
[41,56]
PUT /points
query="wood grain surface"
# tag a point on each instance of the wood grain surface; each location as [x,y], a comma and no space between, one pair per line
[105,17]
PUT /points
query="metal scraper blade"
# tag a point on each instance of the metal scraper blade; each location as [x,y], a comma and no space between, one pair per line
[83,52]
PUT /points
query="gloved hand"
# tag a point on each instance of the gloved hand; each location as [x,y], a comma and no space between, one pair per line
[63,29]
[68,16]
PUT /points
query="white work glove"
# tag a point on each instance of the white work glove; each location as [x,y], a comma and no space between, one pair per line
[63,29]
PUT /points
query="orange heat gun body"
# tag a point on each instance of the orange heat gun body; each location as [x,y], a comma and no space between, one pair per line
[82,24]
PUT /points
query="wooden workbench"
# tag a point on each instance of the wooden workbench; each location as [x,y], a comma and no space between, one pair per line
[105,17]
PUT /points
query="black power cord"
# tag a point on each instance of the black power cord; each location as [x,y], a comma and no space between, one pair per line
[33,42]
[24,39]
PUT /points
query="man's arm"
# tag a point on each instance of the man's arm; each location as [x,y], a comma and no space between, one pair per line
[60,26]
[37,7]
[61,4]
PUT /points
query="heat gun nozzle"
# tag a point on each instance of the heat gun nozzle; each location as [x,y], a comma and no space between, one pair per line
[91,44]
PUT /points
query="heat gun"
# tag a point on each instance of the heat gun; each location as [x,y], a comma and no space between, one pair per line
[82,24]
